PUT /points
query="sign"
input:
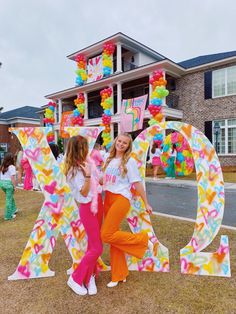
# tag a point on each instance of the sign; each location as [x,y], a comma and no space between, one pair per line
[132,113]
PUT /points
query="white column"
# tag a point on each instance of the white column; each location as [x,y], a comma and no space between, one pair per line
[118,58]
[112,131]
[85,105]
[119,97]
[55,112]
[59,110]
[56,136]
[164,99]
[150,88]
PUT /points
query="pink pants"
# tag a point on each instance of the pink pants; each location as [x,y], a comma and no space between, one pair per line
[92,224]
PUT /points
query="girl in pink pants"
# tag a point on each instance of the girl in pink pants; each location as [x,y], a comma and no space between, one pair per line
[82,177]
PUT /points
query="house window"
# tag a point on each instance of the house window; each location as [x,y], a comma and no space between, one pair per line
[226,140]
[224,82]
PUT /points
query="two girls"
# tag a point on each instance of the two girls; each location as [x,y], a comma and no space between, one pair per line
[8,185]
[120,172]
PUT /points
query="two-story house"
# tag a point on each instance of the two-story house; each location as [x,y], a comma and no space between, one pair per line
[202,90]
[26,116]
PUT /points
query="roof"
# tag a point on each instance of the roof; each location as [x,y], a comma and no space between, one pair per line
[23,112]
[194,62]
[118,37]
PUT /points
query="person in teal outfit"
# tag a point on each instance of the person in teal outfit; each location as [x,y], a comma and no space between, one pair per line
[8,185]
[170,172]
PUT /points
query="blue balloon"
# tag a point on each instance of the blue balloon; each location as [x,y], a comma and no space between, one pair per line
[156,101]
[79,81]
[107,112]
[108,146]
[76,113]
[158,137]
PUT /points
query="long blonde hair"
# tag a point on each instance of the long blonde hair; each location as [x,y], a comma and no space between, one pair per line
[124,158]
[76,154]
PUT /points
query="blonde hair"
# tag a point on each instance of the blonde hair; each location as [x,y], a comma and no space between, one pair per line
[125,156]
[76,154]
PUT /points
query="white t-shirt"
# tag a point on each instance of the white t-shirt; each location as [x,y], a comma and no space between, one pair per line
[10,172]
[174,154]
[76,183]
[157,153]
[115,183]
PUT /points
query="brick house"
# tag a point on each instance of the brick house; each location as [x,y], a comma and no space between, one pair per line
[202,90]
[21,117]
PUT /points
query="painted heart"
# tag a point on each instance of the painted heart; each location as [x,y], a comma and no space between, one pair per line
[46,150]
[187,129]
[47,172]
[46,258]
[22,137]
[133,221]
[51,187]
[143,217]
[145,263]
[57,216]
[192,269]
[24,270]
[37,248]
[52,242]
[209,268]
[41,233]
[54,198]
[29,131]
[33,154]
[38,136]
[210,196]
[93,133]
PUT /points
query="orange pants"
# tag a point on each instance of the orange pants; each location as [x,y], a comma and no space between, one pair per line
[116,207]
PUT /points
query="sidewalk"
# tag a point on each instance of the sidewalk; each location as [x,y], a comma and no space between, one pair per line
[184,183]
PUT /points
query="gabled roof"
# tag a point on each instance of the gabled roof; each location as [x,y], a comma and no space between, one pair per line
[118,37]
[23,112]
[194,62]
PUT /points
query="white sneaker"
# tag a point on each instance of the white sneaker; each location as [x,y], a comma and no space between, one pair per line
[92,289]
[16,211]
[13,216]
[81,290]
[20,185]
[112,284]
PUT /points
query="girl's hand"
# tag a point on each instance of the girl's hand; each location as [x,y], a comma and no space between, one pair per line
[148,209]
[86,167]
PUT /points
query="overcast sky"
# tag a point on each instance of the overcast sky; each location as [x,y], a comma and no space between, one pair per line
[36,37]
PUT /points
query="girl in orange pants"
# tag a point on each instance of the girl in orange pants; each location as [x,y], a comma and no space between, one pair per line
[120,172]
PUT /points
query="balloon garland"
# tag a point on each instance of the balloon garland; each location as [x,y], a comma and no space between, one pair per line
[49,120]
[184,163]
[108,50]
[81,71]
[106,103]
[78,113]
[159,91]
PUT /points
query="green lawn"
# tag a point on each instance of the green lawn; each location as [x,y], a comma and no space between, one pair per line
[144,292]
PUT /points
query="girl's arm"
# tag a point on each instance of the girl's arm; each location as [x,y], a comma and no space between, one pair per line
[87,174]
[139,188]
[13,180]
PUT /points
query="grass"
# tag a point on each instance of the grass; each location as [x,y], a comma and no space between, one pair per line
[144,292]
[229,176]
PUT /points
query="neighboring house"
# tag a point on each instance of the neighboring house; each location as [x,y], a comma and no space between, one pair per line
[202,90]
[21,117]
